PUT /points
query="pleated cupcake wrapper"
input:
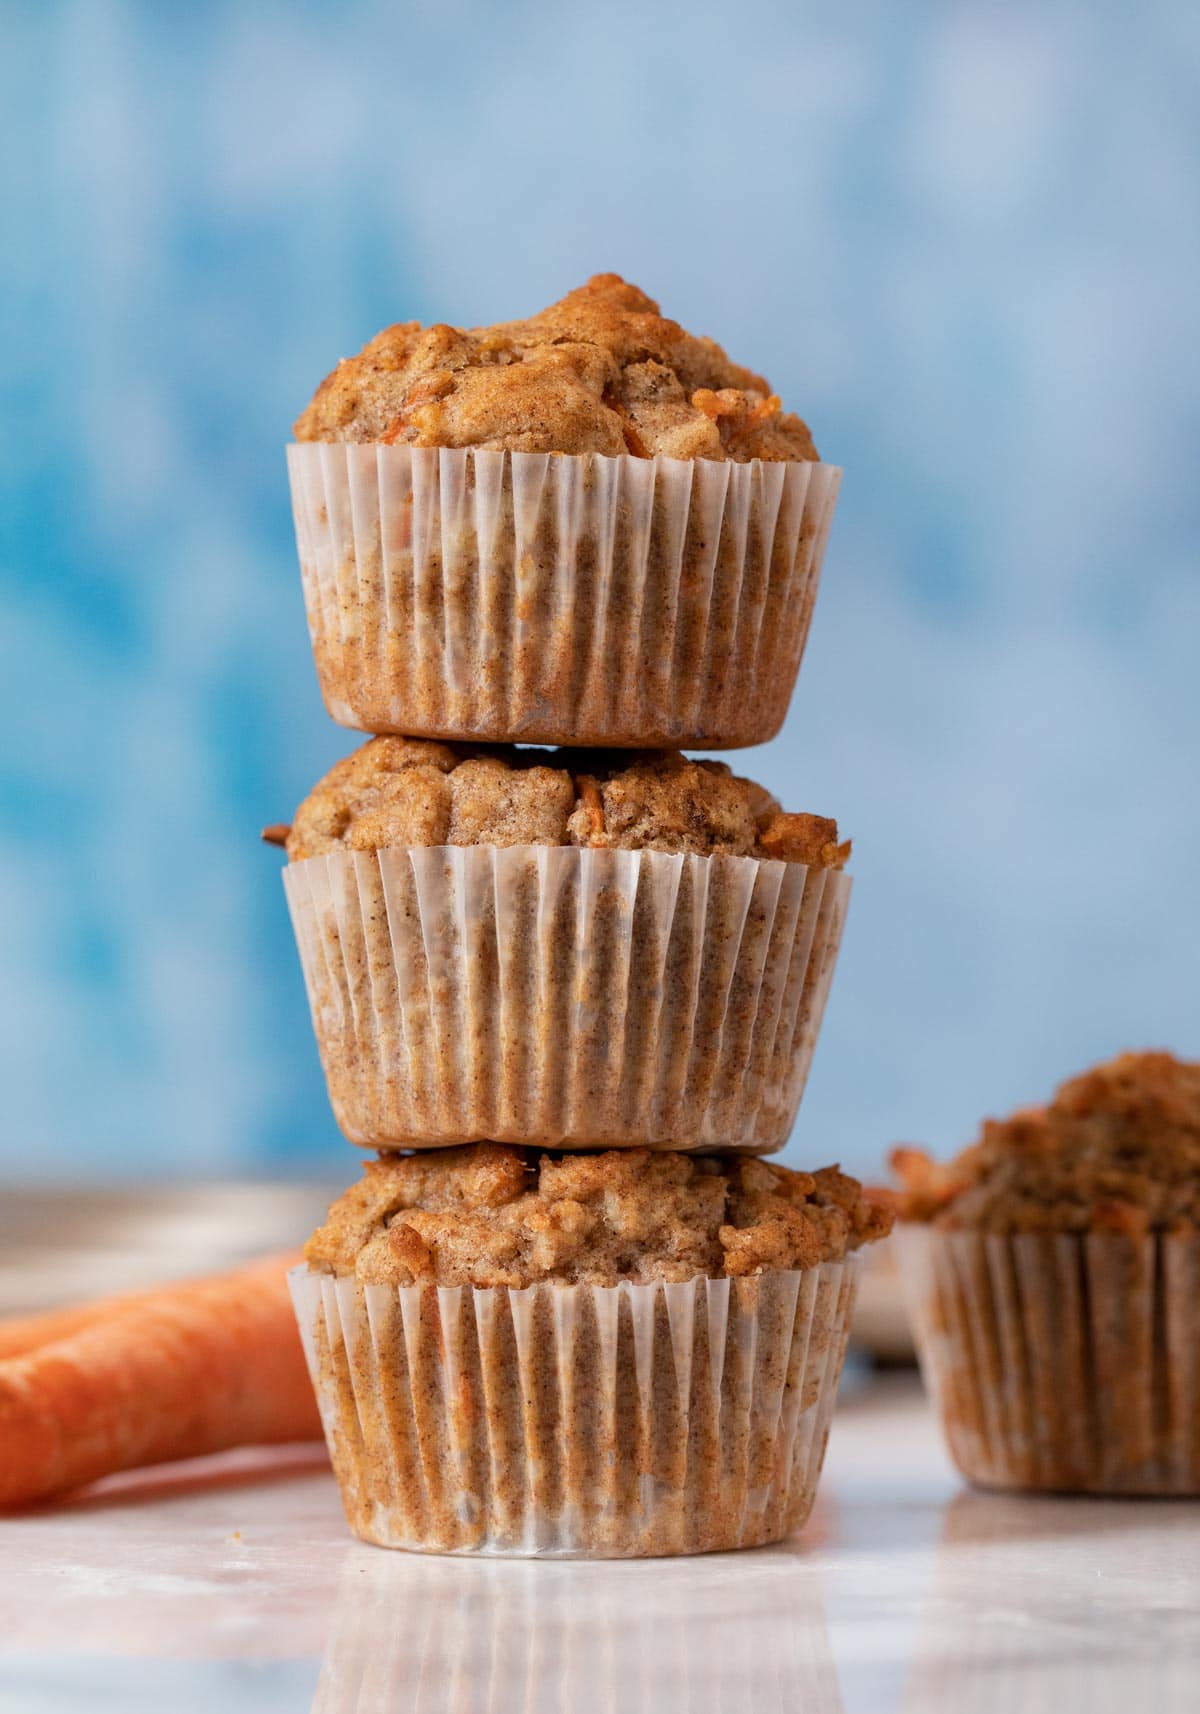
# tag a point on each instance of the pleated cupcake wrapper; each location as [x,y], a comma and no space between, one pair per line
[565,997]
[524,597]
[1063,1362]
[594,1421]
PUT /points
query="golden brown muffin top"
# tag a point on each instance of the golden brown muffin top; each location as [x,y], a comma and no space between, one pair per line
[489,1214]
[599,371]
[1117,1149]
[414,791]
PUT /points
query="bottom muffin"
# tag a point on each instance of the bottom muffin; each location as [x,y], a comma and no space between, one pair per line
[609,1355]
[1053,1271]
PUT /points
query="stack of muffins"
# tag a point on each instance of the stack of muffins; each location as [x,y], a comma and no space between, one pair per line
[570,995]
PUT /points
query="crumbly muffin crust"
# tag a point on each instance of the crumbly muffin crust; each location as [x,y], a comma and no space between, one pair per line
[1116,1149]
[600,371]
[408,791]
[490,1214]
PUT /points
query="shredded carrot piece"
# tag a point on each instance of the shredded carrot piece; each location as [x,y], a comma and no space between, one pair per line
[765,408]
[709,402]
[593,805]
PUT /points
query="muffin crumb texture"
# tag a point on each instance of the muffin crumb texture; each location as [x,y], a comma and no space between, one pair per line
[600,371]
[494,1215]
[1116,1149]
[409,791]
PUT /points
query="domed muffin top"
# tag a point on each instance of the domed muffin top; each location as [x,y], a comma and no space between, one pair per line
[1117,1149]
[414,791]
[489,1214]
[599,371]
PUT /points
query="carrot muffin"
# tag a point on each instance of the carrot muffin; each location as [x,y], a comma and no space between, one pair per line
[561,948]
[589,527]
[1056,1269]
[609,1354]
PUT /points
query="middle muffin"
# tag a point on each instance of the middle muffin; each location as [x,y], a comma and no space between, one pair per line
[561,947]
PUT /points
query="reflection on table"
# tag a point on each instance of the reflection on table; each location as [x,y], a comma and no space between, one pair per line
[1060,1605]
[728,1634]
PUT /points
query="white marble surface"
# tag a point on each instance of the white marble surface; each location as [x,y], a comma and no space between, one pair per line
[233,1586]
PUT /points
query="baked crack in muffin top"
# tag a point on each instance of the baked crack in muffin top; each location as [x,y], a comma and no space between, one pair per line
[490,1214]
[599,371]
[1117,1149]
[413,791]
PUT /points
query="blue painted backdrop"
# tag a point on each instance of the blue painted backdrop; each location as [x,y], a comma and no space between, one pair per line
[963,240]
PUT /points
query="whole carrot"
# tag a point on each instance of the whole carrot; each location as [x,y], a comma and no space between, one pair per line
[27,1333]
[189,1369]
[22,1333]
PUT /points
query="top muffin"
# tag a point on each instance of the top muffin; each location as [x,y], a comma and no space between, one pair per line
[601,371]
[409,791]
[1116,1149]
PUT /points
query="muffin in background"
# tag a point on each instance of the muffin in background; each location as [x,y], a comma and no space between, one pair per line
[562,948]
[587,527]
[606,1355]
[1054,1277]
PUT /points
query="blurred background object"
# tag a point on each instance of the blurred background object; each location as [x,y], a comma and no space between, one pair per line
[58,1248]
[963,241]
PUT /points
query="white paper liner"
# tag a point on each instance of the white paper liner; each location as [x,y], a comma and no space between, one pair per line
[525,597]
[577,1421]
[570,998]
[421,1635]
[1061,1362]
